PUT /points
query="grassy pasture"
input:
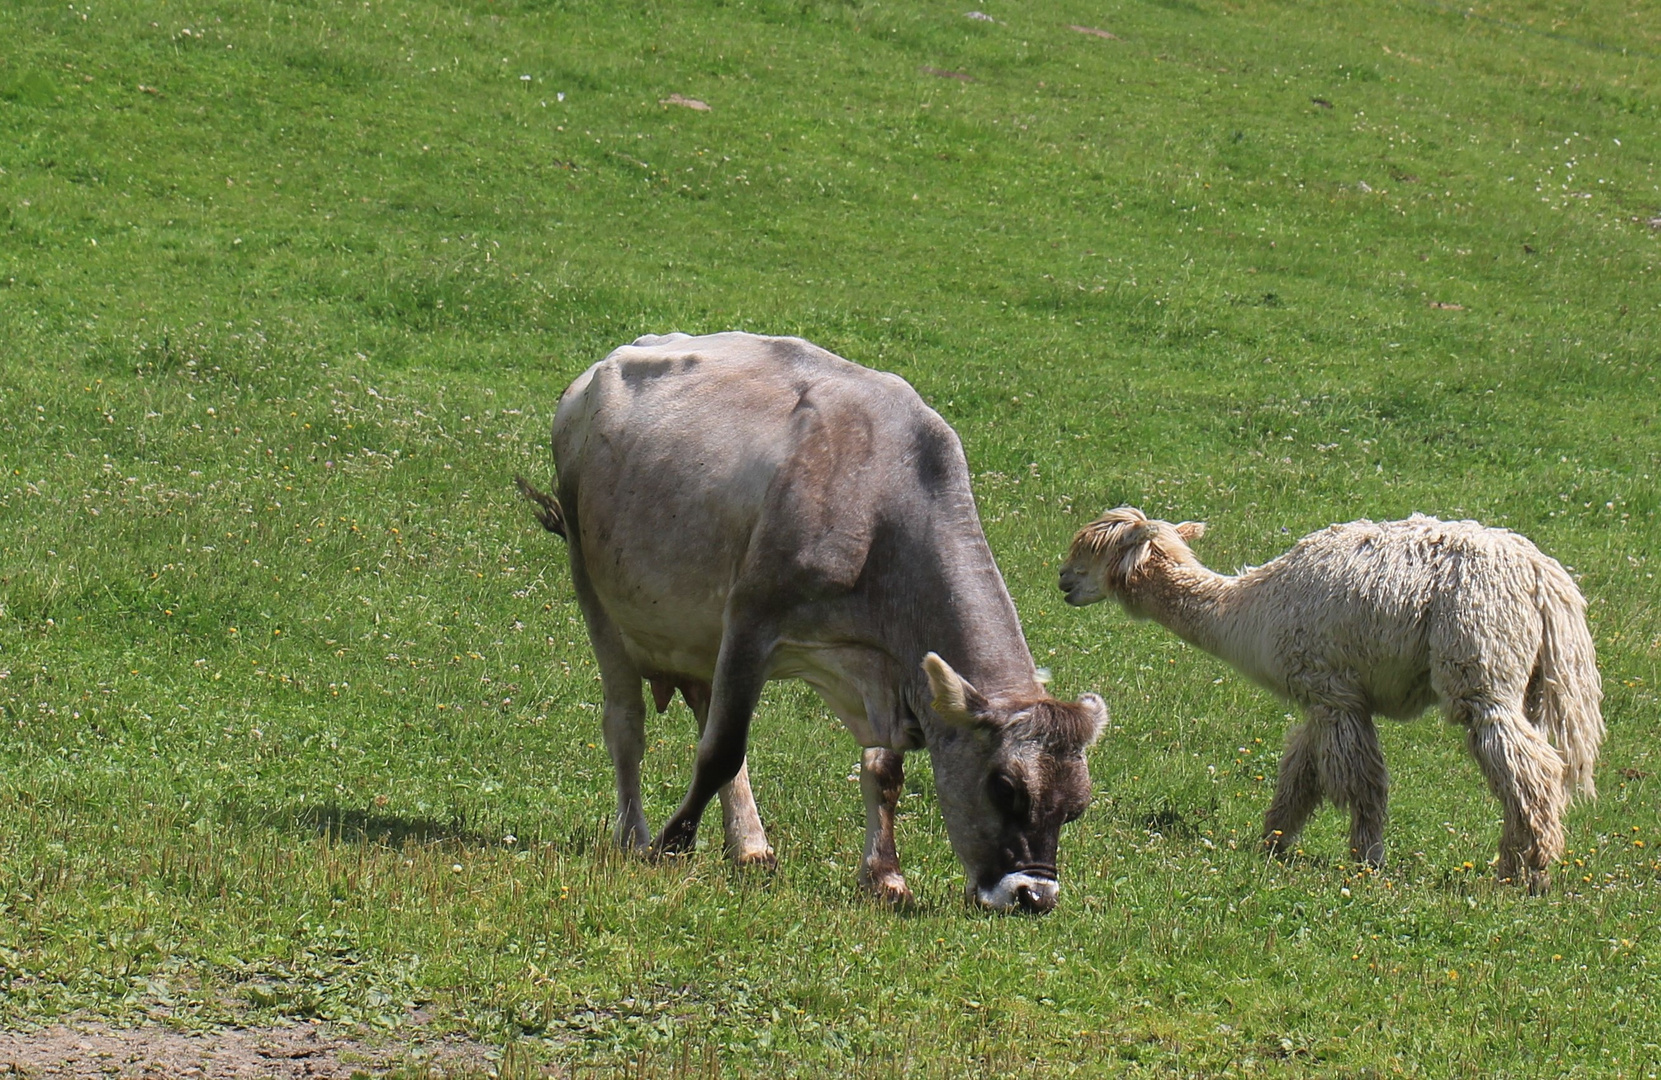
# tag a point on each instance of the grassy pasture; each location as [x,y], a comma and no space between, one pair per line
[298,714]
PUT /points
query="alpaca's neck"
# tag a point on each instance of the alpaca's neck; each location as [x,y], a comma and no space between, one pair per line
[1194,603]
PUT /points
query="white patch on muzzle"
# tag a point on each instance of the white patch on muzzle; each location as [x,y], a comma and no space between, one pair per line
[1006,894]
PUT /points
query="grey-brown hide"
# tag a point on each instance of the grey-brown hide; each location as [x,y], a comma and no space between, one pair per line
[743,508]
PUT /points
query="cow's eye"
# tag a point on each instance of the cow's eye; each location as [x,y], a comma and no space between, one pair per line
[1007,795]
[1074,815]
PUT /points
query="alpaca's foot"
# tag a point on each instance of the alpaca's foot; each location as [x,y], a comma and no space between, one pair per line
[1538,882]
[1368,852]
[1512,870]
[1277,844]
[887,887]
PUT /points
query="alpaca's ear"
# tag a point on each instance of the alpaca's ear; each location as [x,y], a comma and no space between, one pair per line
[956,701]
[1136,544]
[1141,532]
[1190,531]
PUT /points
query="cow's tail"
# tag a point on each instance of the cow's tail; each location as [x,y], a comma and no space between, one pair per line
[1564,702]
[545,506]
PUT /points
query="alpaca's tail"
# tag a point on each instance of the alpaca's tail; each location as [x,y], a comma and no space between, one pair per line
[547,508]
[1565,693]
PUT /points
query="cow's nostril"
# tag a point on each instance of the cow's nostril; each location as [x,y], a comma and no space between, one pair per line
[1032,901]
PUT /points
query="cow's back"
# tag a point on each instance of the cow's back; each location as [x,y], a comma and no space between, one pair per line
[685,461]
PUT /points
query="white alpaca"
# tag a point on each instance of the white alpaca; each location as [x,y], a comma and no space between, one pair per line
[1384,618]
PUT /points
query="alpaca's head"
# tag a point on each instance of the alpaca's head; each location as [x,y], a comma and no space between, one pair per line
[1110,553]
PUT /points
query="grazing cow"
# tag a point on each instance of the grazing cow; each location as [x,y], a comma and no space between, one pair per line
[743,508]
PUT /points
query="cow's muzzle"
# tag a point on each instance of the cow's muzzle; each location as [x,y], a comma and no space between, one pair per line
[1033,889]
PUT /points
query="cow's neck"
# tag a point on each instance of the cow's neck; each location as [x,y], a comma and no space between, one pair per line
[969,618]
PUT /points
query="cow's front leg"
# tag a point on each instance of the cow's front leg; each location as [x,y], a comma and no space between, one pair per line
[746,839]
[882,782]
[740,673]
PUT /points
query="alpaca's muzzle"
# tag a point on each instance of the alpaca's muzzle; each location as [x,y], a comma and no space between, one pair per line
[1076,585]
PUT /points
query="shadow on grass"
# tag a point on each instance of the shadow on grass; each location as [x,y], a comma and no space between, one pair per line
[344,824]
[587,843]
[1171,819]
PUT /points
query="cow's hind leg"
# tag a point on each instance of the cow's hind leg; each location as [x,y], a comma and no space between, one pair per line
[1525,773]
[623,722]
[746,839]
[882,782]
[740,673]
[1297,790]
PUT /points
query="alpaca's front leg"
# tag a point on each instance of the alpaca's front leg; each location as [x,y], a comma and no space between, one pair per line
[1353,773]
[1297,789]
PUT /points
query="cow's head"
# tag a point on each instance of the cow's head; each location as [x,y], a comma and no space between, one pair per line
[1010,774]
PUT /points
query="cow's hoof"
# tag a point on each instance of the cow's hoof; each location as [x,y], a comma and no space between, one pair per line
[889,890]
[676,839]
[633,841]
[756,860]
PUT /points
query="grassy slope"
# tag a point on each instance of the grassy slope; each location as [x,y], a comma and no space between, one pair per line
[276,334]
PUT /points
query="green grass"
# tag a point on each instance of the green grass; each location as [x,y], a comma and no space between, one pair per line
[298,712]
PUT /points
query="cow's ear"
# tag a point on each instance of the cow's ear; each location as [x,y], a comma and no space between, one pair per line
[1190,531]
[1095,711]
[956,701]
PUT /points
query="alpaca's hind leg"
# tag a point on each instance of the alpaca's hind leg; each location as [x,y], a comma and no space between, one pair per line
[1482,656]
[1526,774]
[1354,776]
[1297,789]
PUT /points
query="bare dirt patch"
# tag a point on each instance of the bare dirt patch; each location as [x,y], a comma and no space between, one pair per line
[684,102]
[285,1052]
